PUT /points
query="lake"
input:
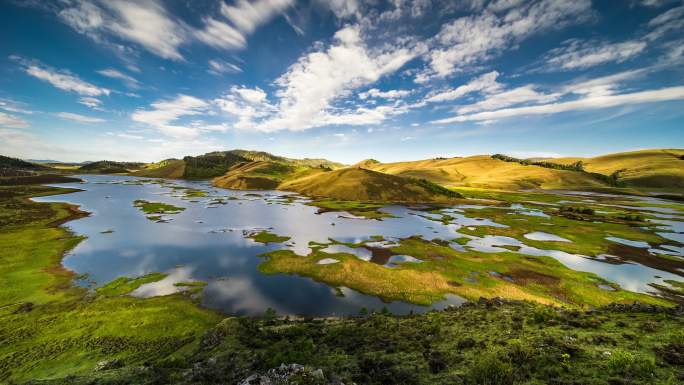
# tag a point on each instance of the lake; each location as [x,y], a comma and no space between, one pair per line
[208,242]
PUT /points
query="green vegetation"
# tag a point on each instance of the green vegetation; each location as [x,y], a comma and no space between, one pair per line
[156,207]
[644,169]
[109,167]
[257,175]
[360,209]
[610,180]
[36,179]
[169,168]
[51,329]
[360,184]
[267,237]
[17,167]
[57,333]
[488,342]
[125,285]
[447,271]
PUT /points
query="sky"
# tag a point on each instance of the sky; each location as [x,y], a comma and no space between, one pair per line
[393,80]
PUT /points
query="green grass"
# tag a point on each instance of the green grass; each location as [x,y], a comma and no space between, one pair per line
[361,209]
[66,330]
[55,333]
[125,285]
[447,271]
[156,207]
[267,237]
[507,344]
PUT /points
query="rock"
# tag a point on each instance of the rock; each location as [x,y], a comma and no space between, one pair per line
[107,365]
[289,374]
[24,308]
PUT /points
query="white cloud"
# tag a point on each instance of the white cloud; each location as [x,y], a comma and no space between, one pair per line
[242,19]
[310,86]
[654,3]
[523,94]
[669,21]
[217,67]
[165,112]
[590,94]
[116,74]
[10,105]
[146,23]
[219,34]
[79,118]
[470,40]
[390,94]
[578,54]
[246,105]
[343,8]
[485,83]
[62,79]
[150,25]
[91,102]
[12,121]
[605,85]
[130,136]
[248,15]
[254,96]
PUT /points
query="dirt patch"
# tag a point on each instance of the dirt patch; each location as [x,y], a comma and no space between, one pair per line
[380,255]
[644,257]
[526,277]
[74,213]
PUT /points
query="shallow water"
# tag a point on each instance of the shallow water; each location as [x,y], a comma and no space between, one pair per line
[542,236]
[207,242]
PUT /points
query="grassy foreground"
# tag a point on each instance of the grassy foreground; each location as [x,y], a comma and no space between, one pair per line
[51,329]
[54,333]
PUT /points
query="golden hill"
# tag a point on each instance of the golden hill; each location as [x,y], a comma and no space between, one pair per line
[483,171]
[645,168]
[259,175]
[169,169]
[355,183]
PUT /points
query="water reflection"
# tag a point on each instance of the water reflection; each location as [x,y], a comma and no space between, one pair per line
[206,242]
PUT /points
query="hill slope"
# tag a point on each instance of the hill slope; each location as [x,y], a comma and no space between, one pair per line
[646,168]
[110,167]
[169,169]
[259,175]
[483,171]
[355,183]
[17,167]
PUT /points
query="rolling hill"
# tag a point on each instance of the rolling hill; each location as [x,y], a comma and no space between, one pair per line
[169,169]
[217,163]
[17,167]
[646,168]
[257,175]
[109,167]
[483,171]
[356,183]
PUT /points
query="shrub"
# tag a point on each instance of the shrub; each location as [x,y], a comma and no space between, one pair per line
[491,369]
[622,363]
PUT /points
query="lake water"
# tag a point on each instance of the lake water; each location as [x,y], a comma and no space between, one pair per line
[207,242]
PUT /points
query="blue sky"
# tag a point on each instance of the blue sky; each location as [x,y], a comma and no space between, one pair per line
[345,80]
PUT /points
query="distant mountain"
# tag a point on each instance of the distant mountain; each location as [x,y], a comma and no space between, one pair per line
[110,167]
[41,161]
